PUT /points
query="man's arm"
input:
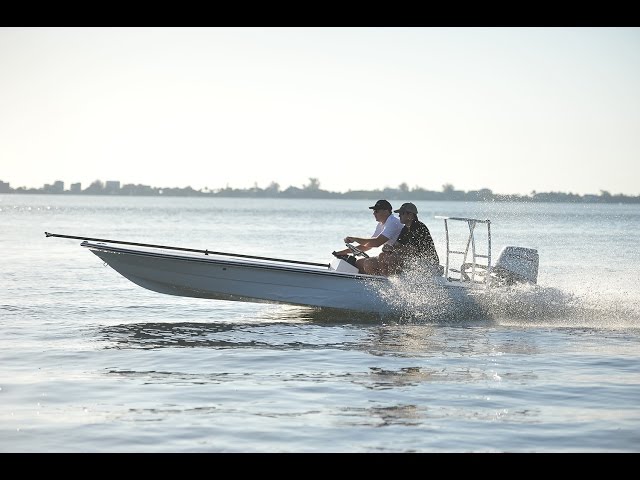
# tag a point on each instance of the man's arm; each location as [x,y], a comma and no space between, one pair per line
[367,243]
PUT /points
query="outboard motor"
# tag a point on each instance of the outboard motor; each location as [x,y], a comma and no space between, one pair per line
[516,265]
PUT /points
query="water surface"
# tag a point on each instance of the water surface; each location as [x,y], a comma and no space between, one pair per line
[93,363]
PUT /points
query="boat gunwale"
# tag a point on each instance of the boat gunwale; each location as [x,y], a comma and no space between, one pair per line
[235,262]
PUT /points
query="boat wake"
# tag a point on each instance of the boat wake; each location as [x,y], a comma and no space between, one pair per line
[416,301]
[533,305]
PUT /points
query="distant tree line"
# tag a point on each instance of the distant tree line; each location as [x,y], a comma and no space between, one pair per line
[313,190]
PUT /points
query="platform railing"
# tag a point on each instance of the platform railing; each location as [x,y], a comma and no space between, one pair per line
[478,263]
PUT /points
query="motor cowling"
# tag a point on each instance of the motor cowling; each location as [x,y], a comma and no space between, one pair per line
[517,265]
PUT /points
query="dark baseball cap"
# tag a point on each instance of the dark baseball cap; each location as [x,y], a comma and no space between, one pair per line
[382,205]
[407,207]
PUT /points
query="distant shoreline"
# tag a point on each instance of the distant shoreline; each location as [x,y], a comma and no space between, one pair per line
[313,191]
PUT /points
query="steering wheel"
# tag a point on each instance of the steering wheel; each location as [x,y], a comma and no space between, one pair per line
[356,251]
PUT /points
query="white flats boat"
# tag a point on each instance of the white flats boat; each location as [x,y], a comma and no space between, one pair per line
[230,276]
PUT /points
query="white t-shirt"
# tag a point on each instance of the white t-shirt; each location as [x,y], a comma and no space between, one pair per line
[391,229]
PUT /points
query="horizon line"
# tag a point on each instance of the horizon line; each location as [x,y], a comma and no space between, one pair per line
[314,185]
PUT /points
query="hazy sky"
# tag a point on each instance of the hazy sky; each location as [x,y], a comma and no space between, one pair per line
[510,109]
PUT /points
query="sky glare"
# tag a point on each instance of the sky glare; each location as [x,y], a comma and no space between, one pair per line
[515,110]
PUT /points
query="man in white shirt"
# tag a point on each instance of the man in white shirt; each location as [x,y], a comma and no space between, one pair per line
[386,233]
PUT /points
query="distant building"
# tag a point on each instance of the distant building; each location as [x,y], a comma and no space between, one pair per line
[112,186]
[57,187]
[75,187]
[4,187]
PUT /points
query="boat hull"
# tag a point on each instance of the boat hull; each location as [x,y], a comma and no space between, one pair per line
[224,279]
[236,279]
[188,272]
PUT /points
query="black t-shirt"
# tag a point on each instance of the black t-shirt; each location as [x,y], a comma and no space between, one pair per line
[419,238]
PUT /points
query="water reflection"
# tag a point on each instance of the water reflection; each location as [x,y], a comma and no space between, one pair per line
[427,340]
[413,415]
[380,378]
[209,335]
[377,340]
[406,415]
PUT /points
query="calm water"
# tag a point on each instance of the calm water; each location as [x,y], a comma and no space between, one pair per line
[90,362]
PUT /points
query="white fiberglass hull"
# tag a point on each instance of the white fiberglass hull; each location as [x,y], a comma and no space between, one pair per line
[223,278]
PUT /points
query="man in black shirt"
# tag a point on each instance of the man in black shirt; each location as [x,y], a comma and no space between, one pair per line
[414,246]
